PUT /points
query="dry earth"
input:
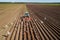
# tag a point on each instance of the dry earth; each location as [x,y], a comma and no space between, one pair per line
[9,13]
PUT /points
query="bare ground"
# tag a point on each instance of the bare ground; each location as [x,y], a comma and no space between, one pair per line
[9,15]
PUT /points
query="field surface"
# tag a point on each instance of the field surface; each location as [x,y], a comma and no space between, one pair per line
[8,14]
[44,24]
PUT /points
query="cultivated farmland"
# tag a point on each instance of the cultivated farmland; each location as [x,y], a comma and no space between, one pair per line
[8,14]
[44,24]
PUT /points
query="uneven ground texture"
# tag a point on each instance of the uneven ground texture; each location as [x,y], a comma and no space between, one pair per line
[44,24]
[49,16]
[9,13]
